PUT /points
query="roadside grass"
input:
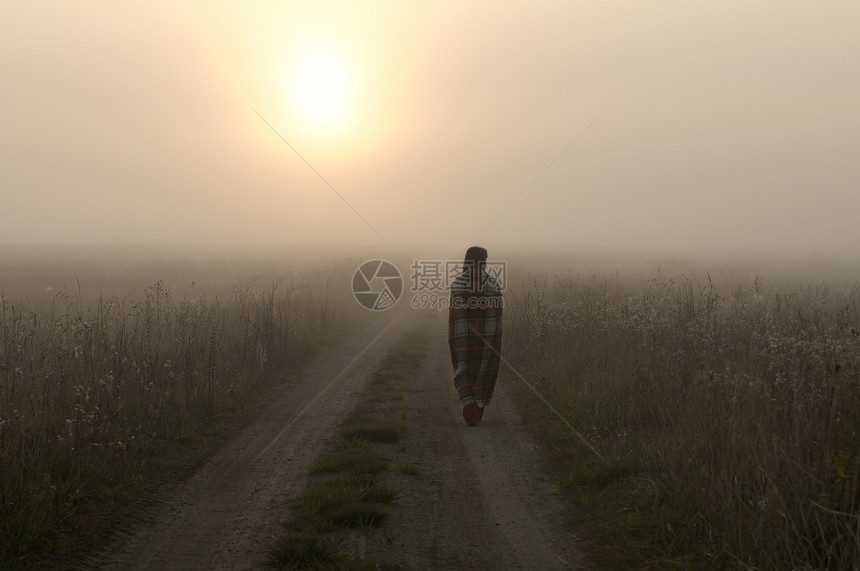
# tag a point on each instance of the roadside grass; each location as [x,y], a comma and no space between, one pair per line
[102,399]
[350,454]
[348,488]
[313,551]
[346,501]
[727,414]
[627,519]
[365,425]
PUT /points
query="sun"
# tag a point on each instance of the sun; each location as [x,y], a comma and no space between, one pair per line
[321,89]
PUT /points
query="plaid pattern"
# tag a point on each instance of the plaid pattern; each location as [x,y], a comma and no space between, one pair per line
[475,337]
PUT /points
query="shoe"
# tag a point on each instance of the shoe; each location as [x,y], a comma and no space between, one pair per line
[471,414]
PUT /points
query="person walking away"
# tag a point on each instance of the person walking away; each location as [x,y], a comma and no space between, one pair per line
[475,334]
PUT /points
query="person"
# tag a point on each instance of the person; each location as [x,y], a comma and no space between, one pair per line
[475,334]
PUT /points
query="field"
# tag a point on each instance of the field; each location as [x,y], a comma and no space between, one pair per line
[725,406]
[722,403]
[114,371]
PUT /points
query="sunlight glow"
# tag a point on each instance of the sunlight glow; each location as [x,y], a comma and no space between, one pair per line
[321,88]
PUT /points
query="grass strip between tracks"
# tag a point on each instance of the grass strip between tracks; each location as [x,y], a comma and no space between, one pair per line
[348,489]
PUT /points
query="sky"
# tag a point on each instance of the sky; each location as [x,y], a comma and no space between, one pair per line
[676,127]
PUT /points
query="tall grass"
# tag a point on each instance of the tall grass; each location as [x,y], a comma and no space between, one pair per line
[93,394]
[736,404]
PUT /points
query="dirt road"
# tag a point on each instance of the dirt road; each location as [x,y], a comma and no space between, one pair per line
[478,502]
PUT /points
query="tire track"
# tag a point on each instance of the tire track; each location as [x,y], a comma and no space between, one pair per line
[480,500]
[228,513]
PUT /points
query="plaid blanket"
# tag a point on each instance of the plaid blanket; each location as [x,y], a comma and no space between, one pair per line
[475,337]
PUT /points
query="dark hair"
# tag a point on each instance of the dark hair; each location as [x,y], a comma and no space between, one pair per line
[476,257]
[476,254]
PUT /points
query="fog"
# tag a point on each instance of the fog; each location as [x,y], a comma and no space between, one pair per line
[624,128]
